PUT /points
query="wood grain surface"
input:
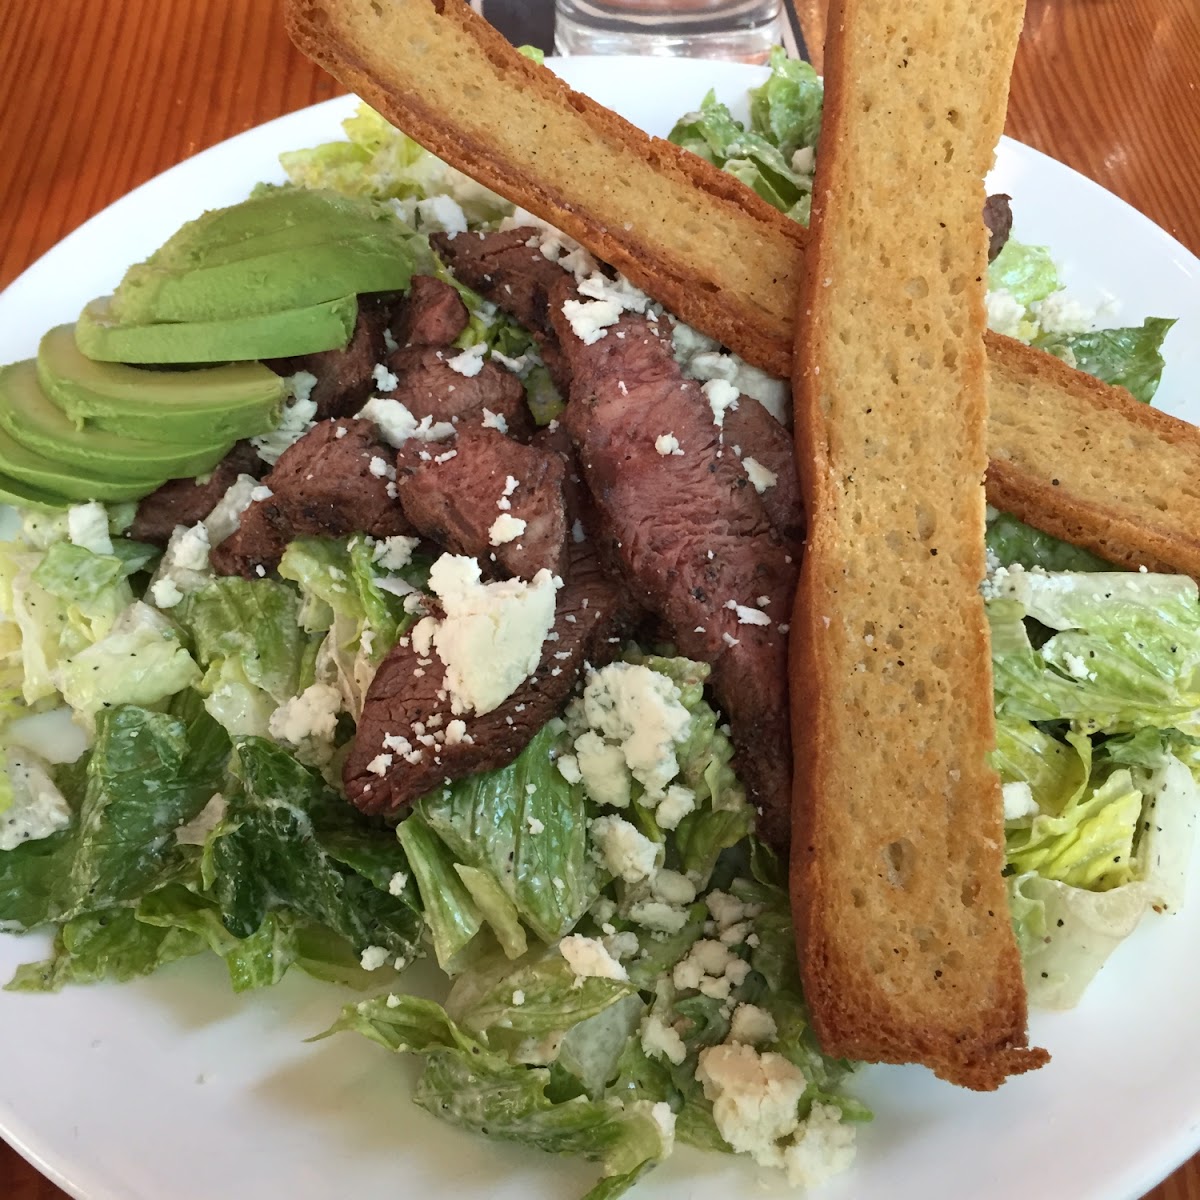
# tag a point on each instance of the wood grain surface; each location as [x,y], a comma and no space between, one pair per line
[98,96]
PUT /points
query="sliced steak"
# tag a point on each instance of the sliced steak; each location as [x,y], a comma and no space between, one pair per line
[462,499]
[186,501]
[429,387]
[518,278]
[752,433]
[401,749]
[431,314]
[504,269]
[345,377]
[528,286]
[997,216]
[332,482]
[692,536]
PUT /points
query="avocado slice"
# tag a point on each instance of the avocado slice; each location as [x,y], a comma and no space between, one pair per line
[209,404]
[43,476]
[33,420]
[22,495]
[267,283]
[274,335]
[286,218]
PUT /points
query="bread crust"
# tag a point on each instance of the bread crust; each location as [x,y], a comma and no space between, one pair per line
[906,949]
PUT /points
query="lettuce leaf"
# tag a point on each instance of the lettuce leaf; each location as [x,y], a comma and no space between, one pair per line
[109,944]
[713,134]
[1027,273]
[1012,541]
[468,1085]
[786,109]
[1130,358]
[269,854]
[1125,654]
[487,822]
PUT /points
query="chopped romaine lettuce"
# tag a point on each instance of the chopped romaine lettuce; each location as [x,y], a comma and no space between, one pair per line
[526,826]
[1027,273]
[1126,653]
[469,1085]
[1130,358]
[1012,541]
[786,109]
[269,854]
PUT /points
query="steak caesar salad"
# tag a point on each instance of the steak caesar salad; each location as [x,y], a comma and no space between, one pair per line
[391,579]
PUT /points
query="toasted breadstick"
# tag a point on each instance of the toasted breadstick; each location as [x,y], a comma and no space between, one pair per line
[728,263]
[907,951]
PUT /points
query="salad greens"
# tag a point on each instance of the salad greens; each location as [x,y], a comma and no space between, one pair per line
[172,767]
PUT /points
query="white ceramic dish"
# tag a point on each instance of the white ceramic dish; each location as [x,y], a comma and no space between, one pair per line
[173,1087]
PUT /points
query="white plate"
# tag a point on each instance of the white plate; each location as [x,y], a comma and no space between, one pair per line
[172,1087]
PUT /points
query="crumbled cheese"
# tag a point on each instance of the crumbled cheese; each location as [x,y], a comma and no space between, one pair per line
[590,319]
[568,768]
[490,640]
[673,887]
[602,767]
[374,957]
[823,1147]
[397,425]
[504,529]
[1060,312]
[804,161]
[190,552]
[87,527]
[624,850]
[469,362]
[493,420]
[398,883]
[640,710]
[761,477]
[1005,313]
[588,958]
[226,516]
[721,396]
[659,1040]
[380,468]
[165,593]
[395,553]
[1018,801]
[534,825]
[518,998]
[674,806]
[441,212]
[747,615]
[385,380]
[1077,668]
[298,417]
[752,1025]
[310,716]
[658,915]
[755,1098]
[726,909]
[667,444]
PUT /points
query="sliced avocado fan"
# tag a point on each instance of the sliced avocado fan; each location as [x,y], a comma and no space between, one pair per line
[190,407]
[274,335]
[29,417]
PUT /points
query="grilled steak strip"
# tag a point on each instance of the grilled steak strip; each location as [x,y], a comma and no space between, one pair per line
[330,483]
[692,536]
[401,749]
[186,501]
[468,498]
[432,314]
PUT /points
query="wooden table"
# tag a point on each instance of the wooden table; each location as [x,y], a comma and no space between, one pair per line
[99,95]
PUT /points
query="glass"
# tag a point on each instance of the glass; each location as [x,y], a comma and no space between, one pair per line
[739,29]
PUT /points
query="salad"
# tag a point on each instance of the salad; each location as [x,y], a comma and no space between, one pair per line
[619,961]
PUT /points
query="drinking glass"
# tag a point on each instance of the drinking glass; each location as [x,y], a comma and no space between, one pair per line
[738,29]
